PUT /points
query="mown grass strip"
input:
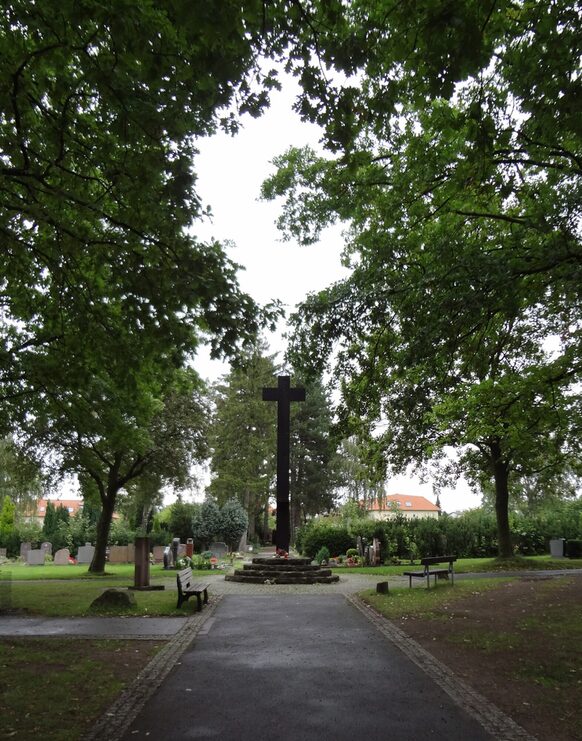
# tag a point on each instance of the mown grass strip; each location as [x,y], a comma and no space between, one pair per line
[405,602]
[55,689]
[17,571]
[68,598]
[475,565]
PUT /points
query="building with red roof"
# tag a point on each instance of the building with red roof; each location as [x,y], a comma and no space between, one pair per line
[392,505]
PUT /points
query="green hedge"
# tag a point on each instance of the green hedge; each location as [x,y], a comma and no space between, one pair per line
[319,534]
[472,534]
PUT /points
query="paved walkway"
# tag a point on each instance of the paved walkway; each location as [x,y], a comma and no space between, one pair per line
[305,668]
[285,662]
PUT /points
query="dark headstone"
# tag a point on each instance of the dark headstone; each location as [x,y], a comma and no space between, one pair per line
[382,587]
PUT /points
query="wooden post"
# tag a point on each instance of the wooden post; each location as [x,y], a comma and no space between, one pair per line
[142,563]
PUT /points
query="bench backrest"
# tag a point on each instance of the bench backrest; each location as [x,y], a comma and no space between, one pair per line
[184,578]
[432,560]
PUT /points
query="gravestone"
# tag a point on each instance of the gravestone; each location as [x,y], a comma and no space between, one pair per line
[118,554]
[159,553]
[376,552]
[181,550]
[242,545]
[360,546]
[35,558]
[86,553]
[47,548]
[61,557]
[3,552]
[175,548]
[283,395]
[218,549]
[189,547]
[24,548]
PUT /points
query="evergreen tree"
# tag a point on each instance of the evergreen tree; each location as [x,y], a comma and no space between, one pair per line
[243,439]
[233,522]
[315,465]
[206,524]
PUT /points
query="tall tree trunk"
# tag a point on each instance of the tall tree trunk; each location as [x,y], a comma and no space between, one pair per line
[251,531]
[103,526]
[108,499]
[266,522]
[501,476]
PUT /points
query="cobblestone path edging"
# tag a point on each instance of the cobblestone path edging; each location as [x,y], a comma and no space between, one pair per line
[493,720]
[120,715]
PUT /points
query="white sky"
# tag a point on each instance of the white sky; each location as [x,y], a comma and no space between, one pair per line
[230,172]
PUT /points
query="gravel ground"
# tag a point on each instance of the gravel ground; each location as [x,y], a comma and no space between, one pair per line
[348,584]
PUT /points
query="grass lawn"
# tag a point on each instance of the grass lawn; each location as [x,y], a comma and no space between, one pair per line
[55,688]
[515,640]
[67,598]
[17,571]
[475,565]
[405,602]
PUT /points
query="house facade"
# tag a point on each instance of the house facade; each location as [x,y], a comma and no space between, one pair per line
[72,505]
[410,507]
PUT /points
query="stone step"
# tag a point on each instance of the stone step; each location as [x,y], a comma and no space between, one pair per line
[280,565]
[274,573]
[285,579]
[279,561]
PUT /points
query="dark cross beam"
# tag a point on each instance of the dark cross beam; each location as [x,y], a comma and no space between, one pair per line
[284,395]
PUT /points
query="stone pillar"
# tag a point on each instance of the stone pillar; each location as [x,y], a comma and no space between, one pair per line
[142,563]
[189,547]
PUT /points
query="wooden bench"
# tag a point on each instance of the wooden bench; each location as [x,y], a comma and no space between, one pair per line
[187,588]
[428,572]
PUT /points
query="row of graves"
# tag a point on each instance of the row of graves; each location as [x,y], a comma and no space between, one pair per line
[117,554]
[62,557]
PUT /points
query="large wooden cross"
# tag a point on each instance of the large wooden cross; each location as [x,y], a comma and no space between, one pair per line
[283,395]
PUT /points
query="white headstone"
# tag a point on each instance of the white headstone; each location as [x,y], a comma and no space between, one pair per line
[218,549]
[86,553]
[47,548]
[35,558]
[62,557]
[3,552]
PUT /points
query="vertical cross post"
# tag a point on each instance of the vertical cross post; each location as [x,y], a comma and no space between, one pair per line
[283,395]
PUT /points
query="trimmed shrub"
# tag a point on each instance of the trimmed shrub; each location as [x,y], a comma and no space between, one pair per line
[573,548]
[322,555]
[319,533]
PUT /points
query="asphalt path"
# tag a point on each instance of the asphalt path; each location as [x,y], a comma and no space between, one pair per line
[298,668]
